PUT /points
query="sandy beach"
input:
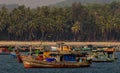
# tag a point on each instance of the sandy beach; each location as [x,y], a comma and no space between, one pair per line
[53,43]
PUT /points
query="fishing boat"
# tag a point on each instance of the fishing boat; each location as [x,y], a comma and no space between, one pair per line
[4,50]
[54,59]
[32,63]
[19,57]
[53,63]
[104,54]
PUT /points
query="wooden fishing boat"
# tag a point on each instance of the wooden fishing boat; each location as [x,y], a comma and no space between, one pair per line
[103,55]
[19,57]
[32,63]
[4,50]
[111,50]
[66,60]
[61,60]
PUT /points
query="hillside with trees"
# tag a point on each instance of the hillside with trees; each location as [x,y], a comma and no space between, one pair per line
[9,6]
[70,2]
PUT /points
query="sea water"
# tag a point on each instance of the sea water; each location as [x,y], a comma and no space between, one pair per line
[10,65]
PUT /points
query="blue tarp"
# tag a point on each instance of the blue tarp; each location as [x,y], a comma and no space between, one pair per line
[69,58]
[50,59]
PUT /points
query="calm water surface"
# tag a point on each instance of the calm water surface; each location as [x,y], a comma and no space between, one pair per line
[9,65]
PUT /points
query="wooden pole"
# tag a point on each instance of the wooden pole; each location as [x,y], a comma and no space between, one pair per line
[30,50]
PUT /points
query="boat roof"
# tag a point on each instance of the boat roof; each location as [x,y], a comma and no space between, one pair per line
[65,53]
[100,51]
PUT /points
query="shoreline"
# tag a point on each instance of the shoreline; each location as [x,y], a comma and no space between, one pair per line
[14,43]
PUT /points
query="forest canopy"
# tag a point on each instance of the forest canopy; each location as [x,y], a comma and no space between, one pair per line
[90,22]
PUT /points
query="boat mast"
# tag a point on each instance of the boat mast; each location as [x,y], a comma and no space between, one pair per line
[30,50]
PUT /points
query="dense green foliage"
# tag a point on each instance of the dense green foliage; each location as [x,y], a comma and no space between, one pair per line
[94,22]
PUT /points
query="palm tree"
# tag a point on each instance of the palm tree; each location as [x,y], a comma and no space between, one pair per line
[3,18]
[31,27]
[75,29]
